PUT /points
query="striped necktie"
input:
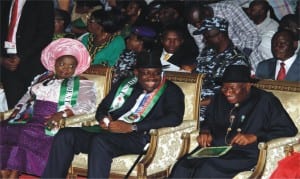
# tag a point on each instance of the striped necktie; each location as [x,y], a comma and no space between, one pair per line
[13,20]
[167,56]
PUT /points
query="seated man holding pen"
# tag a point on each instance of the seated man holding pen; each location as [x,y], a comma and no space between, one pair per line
[239,117]
[132,107]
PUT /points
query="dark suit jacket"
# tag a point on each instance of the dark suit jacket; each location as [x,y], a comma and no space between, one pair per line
[167,112]
[266,70]
[35,31]
[182,56]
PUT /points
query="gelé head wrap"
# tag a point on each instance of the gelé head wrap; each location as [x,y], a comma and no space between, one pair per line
[62,47]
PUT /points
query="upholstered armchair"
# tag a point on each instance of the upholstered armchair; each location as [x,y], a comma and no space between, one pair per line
[101,75]
[164,148]
[272,151]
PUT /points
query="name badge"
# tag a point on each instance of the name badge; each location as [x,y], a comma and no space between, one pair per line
[11,51]
[11,47]
[8,44]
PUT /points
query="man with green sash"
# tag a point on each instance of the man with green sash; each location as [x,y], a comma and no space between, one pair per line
[132,107]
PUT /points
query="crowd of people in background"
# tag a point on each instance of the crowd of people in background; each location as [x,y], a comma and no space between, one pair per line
[204,36]
[106,26]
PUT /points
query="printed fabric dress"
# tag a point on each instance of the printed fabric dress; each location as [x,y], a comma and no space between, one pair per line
[25,147]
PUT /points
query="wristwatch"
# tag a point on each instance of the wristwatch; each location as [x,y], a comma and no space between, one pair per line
[134,127]
[64,114]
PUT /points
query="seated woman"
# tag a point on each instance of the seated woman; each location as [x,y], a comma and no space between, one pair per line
[103,40]
[61,23]
[53,95]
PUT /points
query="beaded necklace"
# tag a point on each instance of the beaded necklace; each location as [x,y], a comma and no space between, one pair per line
[93,49]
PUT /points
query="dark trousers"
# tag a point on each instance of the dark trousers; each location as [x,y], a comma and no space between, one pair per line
[226,166]
[16,83]
[15,86]
[100,147]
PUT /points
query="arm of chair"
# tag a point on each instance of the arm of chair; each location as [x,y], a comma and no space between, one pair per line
[5,115]
[270,153]
[164,147]
[80,120]
[189,142]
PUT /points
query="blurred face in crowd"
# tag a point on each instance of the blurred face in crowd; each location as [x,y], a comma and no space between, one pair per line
[255,12]
[212,38]
[194,18]
[167,15]
[171,41]
[197,14]
[58,25]
[283,45]
[133,9]
[289,22]
[133,43]
[148,78]
[65,66]
[92,25]
[235,92]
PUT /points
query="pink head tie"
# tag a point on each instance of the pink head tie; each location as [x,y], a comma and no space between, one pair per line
[62,47]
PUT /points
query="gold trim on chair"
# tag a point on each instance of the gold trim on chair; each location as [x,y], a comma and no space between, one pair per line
[145,167]
[103,71]
[264,166]
[278,85]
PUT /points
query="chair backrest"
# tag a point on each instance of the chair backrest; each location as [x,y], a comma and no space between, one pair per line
[288,93]
[191,85]
[102,76]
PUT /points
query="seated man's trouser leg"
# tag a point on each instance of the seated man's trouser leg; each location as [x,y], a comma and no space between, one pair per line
[66,143]
[106,146]
[101,147]
[226,166]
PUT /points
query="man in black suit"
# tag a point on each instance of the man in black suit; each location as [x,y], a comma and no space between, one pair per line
[176,55]
[284,48]
[20,56]
[126,114]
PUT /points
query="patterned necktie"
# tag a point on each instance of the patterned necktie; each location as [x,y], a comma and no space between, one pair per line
[13,20]
[167,56]
[281,73]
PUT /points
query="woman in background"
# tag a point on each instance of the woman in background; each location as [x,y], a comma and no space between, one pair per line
[103,40]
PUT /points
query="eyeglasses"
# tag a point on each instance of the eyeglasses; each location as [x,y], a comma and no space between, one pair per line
[231,89]
[90,20]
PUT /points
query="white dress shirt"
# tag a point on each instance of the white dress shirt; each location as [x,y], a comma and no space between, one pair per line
[167,66]
[288,63]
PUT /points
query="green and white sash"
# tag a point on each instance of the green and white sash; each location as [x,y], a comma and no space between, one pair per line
[143,105]
[67,98]
[68,93]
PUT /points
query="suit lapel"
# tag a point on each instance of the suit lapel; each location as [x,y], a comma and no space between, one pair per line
[272,69]
[293,73]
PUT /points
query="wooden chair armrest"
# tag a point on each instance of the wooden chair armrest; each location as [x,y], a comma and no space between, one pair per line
[5,115]
[164,146]
[80,120]
[283,141]
[264,147]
